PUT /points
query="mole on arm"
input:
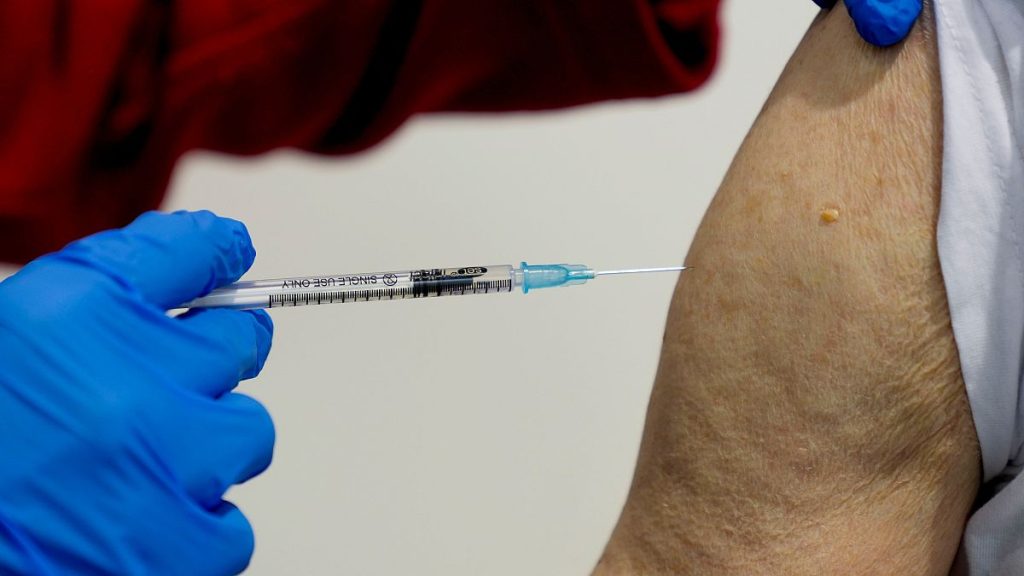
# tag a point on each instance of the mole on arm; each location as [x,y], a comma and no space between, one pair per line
[830,215]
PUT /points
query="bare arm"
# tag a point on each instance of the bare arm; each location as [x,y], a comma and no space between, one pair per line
[809,415]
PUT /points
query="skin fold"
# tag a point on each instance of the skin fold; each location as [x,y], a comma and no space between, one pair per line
[809,415]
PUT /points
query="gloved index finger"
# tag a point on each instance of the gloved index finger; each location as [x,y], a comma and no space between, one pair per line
[168,258]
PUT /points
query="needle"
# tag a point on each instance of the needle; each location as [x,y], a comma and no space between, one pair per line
[643,270]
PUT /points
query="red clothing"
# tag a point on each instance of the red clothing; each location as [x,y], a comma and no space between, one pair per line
[98,99]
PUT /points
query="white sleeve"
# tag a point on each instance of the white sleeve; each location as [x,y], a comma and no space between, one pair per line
[981,250]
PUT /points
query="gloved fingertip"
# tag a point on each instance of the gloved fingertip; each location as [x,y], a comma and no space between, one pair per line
[243,240]
[234,244]
[239,538]
[264,327]
[248,433]
[264,319]
[884,23]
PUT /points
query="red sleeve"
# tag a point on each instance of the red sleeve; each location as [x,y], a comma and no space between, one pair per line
[98,99]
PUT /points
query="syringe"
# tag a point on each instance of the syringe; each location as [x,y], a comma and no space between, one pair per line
[401,284]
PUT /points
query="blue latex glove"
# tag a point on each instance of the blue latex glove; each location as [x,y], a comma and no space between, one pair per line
[880,22]
[119,430]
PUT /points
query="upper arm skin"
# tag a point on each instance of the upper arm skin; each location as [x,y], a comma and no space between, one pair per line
[809,416]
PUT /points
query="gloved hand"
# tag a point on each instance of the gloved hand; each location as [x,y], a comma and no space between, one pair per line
[119,430]
[880,22]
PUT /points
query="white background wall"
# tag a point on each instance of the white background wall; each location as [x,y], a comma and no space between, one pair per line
[480,435]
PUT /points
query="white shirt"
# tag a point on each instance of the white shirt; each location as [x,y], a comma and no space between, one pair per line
[981,250]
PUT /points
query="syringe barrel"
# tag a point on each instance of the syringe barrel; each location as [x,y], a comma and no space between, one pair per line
[361,287]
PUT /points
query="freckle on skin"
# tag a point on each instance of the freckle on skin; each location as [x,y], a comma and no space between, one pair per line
[830,215]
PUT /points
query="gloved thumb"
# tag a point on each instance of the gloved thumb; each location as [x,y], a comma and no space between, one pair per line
[884,22]
[880,22]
